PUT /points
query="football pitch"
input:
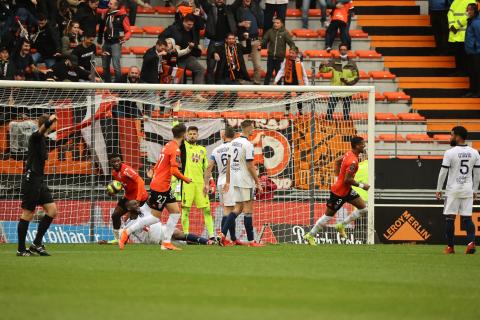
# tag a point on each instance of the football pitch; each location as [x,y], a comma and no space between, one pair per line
[274,282]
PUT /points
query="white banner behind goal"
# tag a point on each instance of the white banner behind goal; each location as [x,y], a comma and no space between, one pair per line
[299,132]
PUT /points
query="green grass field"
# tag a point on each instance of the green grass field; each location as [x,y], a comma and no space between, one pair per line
[276,282]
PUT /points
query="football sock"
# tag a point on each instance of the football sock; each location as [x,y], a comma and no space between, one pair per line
[22,229]
[141,223]
[185,219]
[248,222]
[42,228]
[470,228]
[449,230]
[355,215]
[232,228]
[171,224]
[229,222]
[195,239]
[322,222]
[117,220]
[208,220]
[116,234]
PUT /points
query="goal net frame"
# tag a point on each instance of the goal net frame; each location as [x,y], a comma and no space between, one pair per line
[368,91]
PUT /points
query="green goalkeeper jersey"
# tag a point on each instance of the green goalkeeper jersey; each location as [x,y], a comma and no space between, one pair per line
[196,162]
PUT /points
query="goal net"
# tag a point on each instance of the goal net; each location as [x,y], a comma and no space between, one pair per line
[299,132]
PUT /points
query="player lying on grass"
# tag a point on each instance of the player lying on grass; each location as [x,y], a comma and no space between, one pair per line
[155,234]
[341,191]
[135,193]
[460,163]
[160,191]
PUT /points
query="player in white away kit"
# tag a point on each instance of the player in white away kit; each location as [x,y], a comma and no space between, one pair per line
[219,158]
[242,174]
[462,163]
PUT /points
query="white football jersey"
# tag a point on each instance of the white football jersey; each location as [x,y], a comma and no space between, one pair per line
[220,156]
[149,235]
[460,161]
[241,151]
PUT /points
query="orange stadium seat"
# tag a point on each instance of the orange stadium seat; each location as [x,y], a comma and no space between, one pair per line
[410,117]
[304,33]
[368,54]
[139,50]
[146,10]
[136,30]
[294,13]
[208,115]
[165,10]
[336,54]
[420,137]
[396,96]
[385,116]
[186,114]
[232,115]
[247,95]
[381,75]
[359,116]
[391,138]
[257,115]
[364,96]
[441,138]
[154,30]
[317,54]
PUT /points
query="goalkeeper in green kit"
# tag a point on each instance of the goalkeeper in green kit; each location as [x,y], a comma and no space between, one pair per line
[194,163]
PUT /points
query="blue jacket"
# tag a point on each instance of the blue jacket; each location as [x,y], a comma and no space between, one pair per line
[439,5]
[472,37]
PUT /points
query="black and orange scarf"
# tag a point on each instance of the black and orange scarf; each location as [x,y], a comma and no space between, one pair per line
[288,78]
[232,61]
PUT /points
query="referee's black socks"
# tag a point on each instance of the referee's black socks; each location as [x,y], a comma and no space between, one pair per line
[42,229]
[22,229]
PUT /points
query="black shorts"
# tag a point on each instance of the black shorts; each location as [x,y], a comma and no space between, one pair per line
[122,203]
[158,200]
[335,202]
[34,192]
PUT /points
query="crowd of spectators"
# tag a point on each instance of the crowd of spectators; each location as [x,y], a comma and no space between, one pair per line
[57,39]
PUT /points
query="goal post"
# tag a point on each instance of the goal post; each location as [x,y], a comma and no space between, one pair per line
[299,132]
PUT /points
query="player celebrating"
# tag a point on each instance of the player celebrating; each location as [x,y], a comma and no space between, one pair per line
[341,192]
[135,193]
[160,191]
[219,158]
[241,172]
[35,191]
[460,162]
[194,163]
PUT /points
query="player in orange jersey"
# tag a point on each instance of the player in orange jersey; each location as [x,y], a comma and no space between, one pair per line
[341,191]
[160,192]
[135,193]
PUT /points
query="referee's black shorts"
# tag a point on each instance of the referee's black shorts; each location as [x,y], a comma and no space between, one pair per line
[34,192]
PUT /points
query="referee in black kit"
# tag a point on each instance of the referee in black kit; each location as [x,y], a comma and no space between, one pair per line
[34,189]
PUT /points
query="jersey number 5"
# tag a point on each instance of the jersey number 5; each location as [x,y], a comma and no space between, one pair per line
[464,166]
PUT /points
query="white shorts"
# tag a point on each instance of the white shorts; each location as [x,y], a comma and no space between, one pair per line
[462,206]
[155,233]
[228,198]
[243,194]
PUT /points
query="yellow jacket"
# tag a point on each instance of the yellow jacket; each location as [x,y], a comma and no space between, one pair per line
[362,177]
[457,17]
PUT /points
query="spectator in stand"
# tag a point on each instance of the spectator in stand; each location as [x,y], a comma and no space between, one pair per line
[87,16]
[6,17]
[345,73]
[306,7]
[457,24]
[220,22]
[340,21]
[7,68]
[46,41]
[249,17]
[472,48]
[125,107]
[132,6]
[23,61]
[274,9]
[293,73]
[152,65]
[64,16]
[276,40]
[186,37]
[66,69]
[85,52]
[111,28]
[26,11]
[71,38]
[438,10]
[268,185]
[230,67]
